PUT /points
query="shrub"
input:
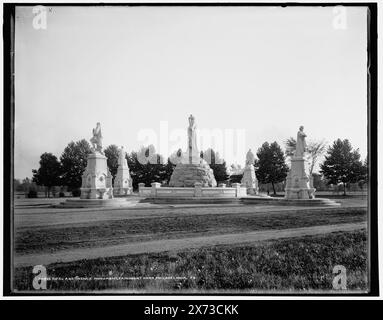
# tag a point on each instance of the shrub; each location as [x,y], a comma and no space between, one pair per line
[235,178]
[61,194]
[76,192]
[32,194]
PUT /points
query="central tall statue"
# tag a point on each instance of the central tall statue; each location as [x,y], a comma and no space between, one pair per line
[192,141]
[192,168]
[301,143]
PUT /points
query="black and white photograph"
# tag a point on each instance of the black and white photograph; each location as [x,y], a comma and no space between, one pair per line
[191,149]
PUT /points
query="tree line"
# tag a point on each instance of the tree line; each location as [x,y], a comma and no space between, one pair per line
[68,169]
[341,165]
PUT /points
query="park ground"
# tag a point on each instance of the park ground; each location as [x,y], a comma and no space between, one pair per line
[191,248]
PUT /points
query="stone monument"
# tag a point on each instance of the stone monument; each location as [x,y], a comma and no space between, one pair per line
[191,168]
[122,181]
[298,184]
[249,180]
[96,179]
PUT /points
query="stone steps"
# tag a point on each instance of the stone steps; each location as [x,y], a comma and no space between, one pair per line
[249,200]
[96,203]
[290,202]
[195,200]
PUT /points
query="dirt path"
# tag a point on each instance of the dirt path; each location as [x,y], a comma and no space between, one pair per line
[178,244]
[50,217]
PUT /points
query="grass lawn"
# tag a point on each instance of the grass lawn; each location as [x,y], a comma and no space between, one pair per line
[102,233]
[301,264]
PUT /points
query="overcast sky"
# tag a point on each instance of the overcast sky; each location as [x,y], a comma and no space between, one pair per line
[262,70]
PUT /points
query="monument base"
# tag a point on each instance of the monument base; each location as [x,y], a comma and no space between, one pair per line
[123,181]
[96,193]
[299,193]
[298,182]
[96,179]
[197,194]
[121,192]
[249,180]
[186,175]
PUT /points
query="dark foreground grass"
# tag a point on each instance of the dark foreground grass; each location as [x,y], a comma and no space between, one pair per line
[103,233]
[298,264]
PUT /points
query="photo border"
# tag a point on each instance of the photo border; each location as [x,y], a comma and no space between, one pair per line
[8,147]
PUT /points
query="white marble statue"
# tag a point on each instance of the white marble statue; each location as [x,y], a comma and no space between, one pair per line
[301,147]
[96,140]
[250,158]
[298,184]
[249,179]
[121,158]
[192,141]
[123,180]
[96,179]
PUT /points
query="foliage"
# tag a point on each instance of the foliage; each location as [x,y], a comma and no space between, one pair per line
[76,192]
[342,164]
[235,178]
[169,168]
[112,155]
[48,174]
[146,166]
[364,174]
[270,166]
[73,163]
[32,194]
[17,185]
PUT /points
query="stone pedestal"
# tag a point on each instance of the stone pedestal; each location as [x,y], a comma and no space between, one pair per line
[187,174]
[249,180]
[298,184]
[123,181]
[96,179]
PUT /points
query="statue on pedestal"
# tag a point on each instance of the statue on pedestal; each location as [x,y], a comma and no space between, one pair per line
[96,140]
[123,180]
[96,178]
[121,158]
[298,184]
[249,179]
[191,168]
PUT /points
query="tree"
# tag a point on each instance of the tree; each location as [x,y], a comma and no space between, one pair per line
[235,178]
[315,150]
[146,166]
[270,166]
[17,185]
[169,168]
[112,155]
[73,163]
[48,175]
[217,164]
[342,164]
